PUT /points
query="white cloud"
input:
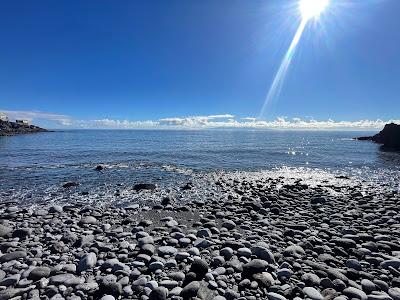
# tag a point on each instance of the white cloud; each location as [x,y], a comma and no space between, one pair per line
[226,116]
[203,122]
[228,121]
[120,123]
[195,121]
[249,119]
[37,115]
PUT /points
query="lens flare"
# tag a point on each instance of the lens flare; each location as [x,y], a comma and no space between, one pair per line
[312,8]
[309,10]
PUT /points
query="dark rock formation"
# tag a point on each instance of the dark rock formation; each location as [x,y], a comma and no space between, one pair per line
[12,128]
[99,168]
[389,137]
[144,186]
[70,184]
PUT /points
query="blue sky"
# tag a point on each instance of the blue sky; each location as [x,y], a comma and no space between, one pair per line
[141,61]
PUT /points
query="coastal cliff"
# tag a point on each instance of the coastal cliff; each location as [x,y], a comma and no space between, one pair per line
[11,128]
[389,137]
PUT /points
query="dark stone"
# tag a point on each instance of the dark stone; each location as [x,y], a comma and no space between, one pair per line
[109,285]
[22,233]
[200,268]
[254,267]
[99,168]
[275,210]
[12,256]
[166,201]
[159,293]
[70,184]
[345,243]
[231,294]
[69,237]
[318,200]
[39,272]
[264,279]
[263,253]
[55,209]
[190,290]
[88,261]
[88,220]
[148,249]
[354,293]
[83,241]
[311,279]
[187,186]
[189,278]
[144,186]
[11,293]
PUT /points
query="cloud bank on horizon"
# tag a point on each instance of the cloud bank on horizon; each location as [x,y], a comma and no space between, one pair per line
[199,122]
[31,116]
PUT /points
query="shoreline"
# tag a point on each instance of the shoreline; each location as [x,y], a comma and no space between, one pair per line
[250,237]
[8,128]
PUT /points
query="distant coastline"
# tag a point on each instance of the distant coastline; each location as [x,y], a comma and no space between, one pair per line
[389,137]
[8,128]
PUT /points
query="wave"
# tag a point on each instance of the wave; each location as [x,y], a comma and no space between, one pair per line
[136,165]
[113,192]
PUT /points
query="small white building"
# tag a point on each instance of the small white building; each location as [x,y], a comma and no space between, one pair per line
[3,117]
[22,122]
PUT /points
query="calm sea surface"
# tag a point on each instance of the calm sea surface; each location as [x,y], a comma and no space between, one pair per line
[33,164]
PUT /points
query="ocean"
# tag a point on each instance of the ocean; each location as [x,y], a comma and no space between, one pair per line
[34,167]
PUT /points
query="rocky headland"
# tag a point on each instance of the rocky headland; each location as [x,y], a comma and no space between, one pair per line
[11,128]
[251,237]
[389,137]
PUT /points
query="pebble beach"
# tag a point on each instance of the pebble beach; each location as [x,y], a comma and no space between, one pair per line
[200,150]
[249,236]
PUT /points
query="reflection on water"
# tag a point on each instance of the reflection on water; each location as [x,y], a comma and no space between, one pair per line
[33,164]
[388,157]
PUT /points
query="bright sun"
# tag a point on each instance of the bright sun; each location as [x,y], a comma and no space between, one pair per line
[312,8]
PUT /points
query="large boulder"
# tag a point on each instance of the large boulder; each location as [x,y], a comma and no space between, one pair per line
[389,137]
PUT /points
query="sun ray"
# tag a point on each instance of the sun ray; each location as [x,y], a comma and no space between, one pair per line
[282,71]
[309,9]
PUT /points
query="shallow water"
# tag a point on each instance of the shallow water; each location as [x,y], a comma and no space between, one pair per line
[33,167]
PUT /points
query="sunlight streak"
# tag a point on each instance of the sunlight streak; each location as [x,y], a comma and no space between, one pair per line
[309,10]
[281,74]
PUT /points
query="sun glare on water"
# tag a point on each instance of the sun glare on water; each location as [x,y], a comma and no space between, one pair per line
[309,10]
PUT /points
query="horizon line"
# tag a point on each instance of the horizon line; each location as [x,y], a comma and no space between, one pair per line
[216,121]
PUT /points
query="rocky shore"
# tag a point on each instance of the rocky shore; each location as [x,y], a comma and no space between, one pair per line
[12,128]
[389,137]
[252,237]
